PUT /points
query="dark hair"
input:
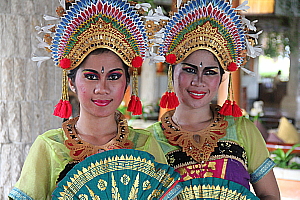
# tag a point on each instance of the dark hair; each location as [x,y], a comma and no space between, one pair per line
[72,73]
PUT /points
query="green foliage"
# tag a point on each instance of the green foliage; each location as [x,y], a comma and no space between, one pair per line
[276,45]
[282,159]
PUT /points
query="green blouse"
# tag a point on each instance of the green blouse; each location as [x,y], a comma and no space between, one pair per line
[48,156]
[239,130]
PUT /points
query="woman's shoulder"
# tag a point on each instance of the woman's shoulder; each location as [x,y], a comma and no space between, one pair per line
[241,122]
[53,136]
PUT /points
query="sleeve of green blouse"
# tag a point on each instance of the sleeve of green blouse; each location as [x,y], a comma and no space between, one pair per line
[144,141]
[156,130]
[259,163]
[39,172]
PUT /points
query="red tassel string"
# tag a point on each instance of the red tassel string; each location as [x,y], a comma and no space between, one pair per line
[236,110]
[58,108]
[173,102]
[64,108]
[226,108]
[131,104]
[230,108]
[169,100]
[135,104]
[164,100]
[138,110]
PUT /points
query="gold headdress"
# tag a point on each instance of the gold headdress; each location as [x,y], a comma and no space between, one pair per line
[210,25]
[91,24]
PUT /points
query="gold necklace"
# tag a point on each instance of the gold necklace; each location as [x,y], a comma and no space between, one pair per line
[197,144]
[79,149]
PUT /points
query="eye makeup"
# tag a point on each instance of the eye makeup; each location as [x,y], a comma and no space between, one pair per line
[90,74]
[115,74]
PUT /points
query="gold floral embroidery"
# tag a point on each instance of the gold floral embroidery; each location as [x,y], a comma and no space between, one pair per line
[102,184]
[125,179]
[80,149]
[198,150]
[146,185]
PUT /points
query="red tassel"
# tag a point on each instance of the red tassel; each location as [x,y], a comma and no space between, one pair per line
[58,108]
[63,109]
[226,108]
[163,100]
[69,109]
[173,101]
[169,100]
[236,110]
[138,107]
[131,104]
[66,110]
[135,105]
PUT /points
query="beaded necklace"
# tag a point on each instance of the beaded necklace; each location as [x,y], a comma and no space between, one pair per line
[79,149]
[197,144]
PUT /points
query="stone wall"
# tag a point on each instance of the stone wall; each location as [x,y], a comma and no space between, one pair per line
[27,93]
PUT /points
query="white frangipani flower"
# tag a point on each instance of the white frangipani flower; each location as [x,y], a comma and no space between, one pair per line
[249,24]
[48,18]
[154,58]
[144,6]
[243,6]
[44,29]
[156,16]
[253,51]
[42,44]
[39,60]
[255,36]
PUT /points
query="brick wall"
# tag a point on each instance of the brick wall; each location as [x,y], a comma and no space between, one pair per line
[27,93]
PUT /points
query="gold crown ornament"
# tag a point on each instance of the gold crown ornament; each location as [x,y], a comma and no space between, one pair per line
[86,25]
[209,25]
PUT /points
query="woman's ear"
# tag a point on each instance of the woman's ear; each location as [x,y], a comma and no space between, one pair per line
[72,85]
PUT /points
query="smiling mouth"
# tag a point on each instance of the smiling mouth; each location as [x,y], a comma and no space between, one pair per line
[197,95]
[102,102]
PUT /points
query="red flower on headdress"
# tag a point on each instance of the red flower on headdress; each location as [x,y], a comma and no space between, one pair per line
[232,67]
[171,58]
[65,63]
[137,62]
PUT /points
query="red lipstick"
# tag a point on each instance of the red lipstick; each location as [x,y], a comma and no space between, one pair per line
[196,94]
[101,102]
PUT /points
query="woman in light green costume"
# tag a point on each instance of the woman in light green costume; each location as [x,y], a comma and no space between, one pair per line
[217,151]
[95,49]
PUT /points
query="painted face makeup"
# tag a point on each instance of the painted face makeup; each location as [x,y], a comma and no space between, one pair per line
[196,80]
[101,84]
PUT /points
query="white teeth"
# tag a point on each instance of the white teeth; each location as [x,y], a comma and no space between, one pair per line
[196,94]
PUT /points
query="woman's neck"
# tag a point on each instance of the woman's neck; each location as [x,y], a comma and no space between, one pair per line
[192,119]
[97,130]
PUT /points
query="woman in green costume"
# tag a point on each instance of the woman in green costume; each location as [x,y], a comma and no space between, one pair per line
[217,152]
[95,49]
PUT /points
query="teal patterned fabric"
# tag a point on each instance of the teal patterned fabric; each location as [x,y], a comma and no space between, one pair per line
[119,174]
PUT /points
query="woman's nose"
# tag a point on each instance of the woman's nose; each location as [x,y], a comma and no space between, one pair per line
[101,87]
[198,81]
